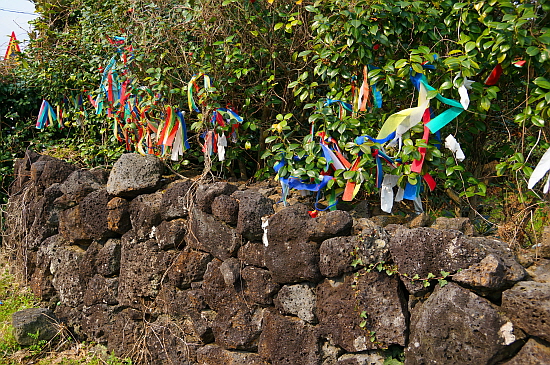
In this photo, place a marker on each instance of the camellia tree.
(339, 96)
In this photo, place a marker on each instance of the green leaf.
(401, 63)
(279, 26)
(270, 139)
(542, 82)
(469, 46)
(532, 51)
(349, 175)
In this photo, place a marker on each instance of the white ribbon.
(542, 168)
(454, 146)
(222, 143)
(386, 192)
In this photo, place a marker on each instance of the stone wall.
(175, 272)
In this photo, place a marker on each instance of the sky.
(14, 17)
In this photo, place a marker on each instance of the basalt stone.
(288, 341)
(534, 352)
(101, 290)
(339, 308)
(336, 255)
(54, 171)
(176, 200)
(238, 327)
(231, 271)
(540, 271)
(490, 274)
(96, 322)
(217, 294)
(527, 304)
(226, 209)
(455, 326)
(252, 207)
(189, 266)
(134, 174)
(65, 267)
(215, 355)
(38, 166)
(171, 300)
(107, 261)
(461, 224)
(421, 251)
(142, 267)
(210, 235)
(290, 256)
(369, 358)
(171, 234)
(127, 329)
(259, 287)
(86, 221)
(253, 253)
(298, 300)
(145, 215)
(21, 169)
(118, 215)
(206, 194)
(333, 224)
(164, 343)
(79, 184)
(32, 321)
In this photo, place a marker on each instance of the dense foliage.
(277, 63)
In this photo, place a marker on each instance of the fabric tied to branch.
(538, 173)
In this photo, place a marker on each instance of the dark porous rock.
(368, 358)
(329, 352)
(534, 352)
(38, 166)
(79, 184)
(165, 343)
(88, 221)
(333, 224)
(41, 282)
(145, 215)
(142, 267)
(288, 341)
(253, 253)
(455, 326)
(421, 220)
(96, 322)
(118, 215)
(127, 329)
(540, 271)
(107, 260)
(252, 207)
(205, 194)
(339, 308)
(34, 321)
(490, 274)
(226, 209)
(101, 290)
(22, 171)
(259, 288)
(179, 302)
(134, 174)
(336, 255)
(210, 235)
(461, 224)
(528, 306)
(215, 355)
(386, 220)
(171, 234)
(217, 294)
(65, 267)
(189, 266)
(421, 251)
(238, 327)
(231, 271)
(298, 300)
(54, 171)
(290, 256)
(176, 200)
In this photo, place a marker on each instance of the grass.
(15, 298)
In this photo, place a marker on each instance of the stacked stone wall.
(178, 272)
